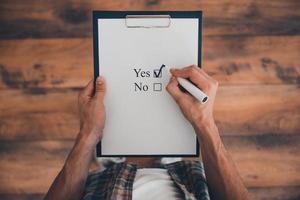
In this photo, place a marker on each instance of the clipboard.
(129, 49)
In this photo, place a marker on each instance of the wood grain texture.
(266, 160)
(39, 114)
(72, 18)
(251, 47)
(31, 166)
(255, 110)
(5, 196)
(273, 193)
(45, 63)
(61, 63)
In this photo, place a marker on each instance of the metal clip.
(148, 21)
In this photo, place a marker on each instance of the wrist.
(205, 128)
(83, 149)
(88, 139)
(203, 124)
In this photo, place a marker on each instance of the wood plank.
(272, 193)
(261, 194)
(39, 114)
(252, 60)
(21, 196)
(30, 167)
(255, 110)
(275, 193)
(45, 63)
(60, 63)
(40, 19)
(266, 160)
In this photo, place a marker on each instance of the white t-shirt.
(154, 183)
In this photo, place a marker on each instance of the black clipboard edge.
(122, 14)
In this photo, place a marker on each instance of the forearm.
(222, 176)
(70, 182)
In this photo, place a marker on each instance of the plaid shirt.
(115, 183)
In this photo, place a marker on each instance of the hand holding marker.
(192, 89)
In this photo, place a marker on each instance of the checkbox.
(157, 73)
(157, 87)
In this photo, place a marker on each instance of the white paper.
(145, 122)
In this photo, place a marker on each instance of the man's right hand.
(195, 111)
(222, 175)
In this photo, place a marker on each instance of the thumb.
(174, 90)
(100, 87)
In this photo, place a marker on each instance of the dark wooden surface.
(251, 47)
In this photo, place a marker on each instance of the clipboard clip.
(148, 21)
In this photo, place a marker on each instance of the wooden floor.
(251, 47)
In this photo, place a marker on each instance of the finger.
(205, 74)
(211, 82)
(100, 87)
(193, 74)
(88, 89)
(174, 90)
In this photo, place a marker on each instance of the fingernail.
(99, 80)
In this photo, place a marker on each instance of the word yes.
(141, 73)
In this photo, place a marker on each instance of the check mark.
(158, 74)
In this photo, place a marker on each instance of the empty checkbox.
(157, 87)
